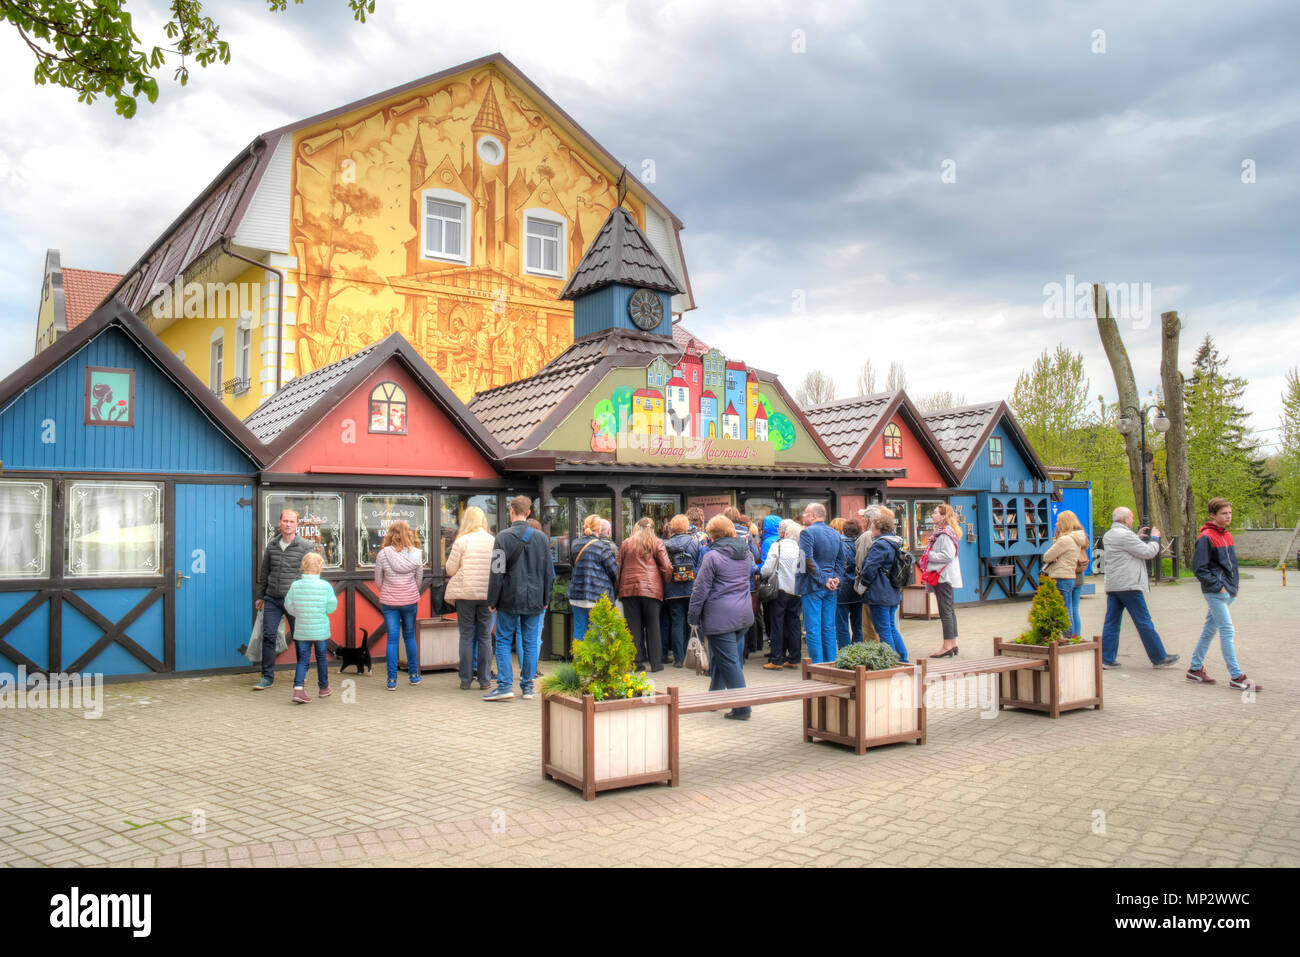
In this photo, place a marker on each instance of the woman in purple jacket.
(720, 605)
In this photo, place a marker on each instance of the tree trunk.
(1182, 505)
(1117, 355)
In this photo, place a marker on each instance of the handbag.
(928, 578)
(696, 655)
(1081, 563)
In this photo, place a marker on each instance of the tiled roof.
(511, 412)
(958, 430)
(298, 396)
(83, 291)
(682, 338)
(844, 425)
(842, 471)
(620, 253)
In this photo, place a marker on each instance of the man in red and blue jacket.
(1215, 565)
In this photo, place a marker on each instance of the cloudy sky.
(893, 181)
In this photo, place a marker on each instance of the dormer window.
(388, 409)
(446, 226)
(893, 442)
(544, 243)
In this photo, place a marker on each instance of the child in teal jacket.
(310, 601)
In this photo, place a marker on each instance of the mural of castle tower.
(491, 167)
(751, 403)
(735, 399)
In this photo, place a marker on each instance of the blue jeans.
(528, 628)
(819, 625)
(1117, 602)
(400, 621)
(884, 620)
(304, 660)
(677, 608)
(1218, 619)
(580, 618)
(725, 668)
(848, 624)
(272, 612)
(1070, 592)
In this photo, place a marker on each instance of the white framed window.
(114, 529)
(446, 226)
(217, 361)
(544, 242)
(24, 529)
(244, 363)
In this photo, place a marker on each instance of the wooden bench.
(1050, 678)
(758, 695)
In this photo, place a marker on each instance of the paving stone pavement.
(200, 772)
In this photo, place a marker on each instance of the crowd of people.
(726, 582)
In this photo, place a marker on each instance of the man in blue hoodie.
(818, 584)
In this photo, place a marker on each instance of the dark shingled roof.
(511, 412)
(959, 430)
(620, 253)
(846, 423)
(298, 396)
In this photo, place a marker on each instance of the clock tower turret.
(621, 283)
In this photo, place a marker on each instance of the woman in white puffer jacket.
(468, 567)
(942, 558)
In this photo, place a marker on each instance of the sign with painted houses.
(700, 407)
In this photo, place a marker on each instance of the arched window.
(893, 442)
(388, 409)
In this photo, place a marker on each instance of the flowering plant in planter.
(602, 661)
(1049, 619)
(873, 655)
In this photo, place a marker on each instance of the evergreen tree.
(1221, 457)
(1049, 619)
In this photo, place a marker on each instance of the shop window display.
(375, 513)
(320, 521)
(452, 510)
(921, 510)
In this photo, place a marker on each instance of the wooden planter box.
(885, 707)
(437, 643)
(601, 745)
(918, 603)
(1072, 679)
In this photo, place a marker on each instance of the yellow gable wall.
(191, 336)
(357, 190)
(45, 318)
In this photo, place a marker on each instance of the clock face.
(645, 309)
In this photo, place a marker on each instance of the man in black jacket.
(519, 587)
(281, 567)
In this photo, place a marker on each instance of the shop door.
(660, 508)
(213, 580)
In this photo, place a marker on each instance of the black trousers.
(787, 631)
(474, 625)
(643, 621)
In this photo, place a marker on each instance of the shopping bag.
(253, 650)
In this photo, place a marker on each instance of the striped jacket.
(310, 601)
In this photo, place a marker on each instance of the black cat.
(358, 657)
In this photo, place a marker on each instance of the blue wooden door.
(969, 552)
(214, 570)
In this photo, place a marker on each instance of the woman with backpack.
(1065, 561)
(848, 603)
(883, 567)
(941, 572)
(643, 567)
(683, 549)
(595, 573)
(783, 563)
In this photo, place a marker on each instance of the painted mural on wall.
(702, 395)
(452, 215)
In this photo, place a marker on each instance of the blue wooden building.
(126, 510)
(1004, 494)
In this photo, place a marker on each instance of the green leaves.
(90, 47)
(873, 655)
(1049, 619)
(604, 657)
